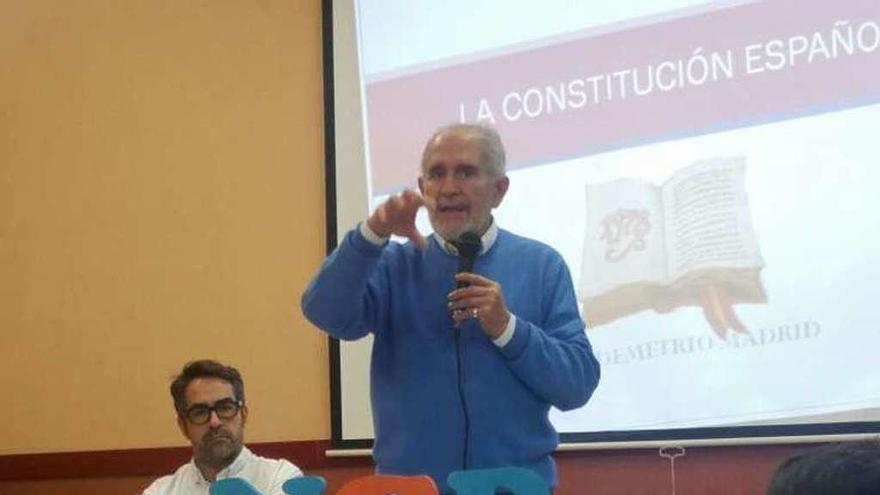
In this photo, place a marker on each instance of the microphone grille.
(469, 244)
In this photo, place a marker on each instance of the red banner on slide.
(736, 65)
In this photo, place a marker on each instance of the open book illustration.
(686, 242)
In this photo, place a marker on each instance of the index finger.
(412, 200)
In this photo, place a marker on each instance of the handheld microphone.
(469, 246)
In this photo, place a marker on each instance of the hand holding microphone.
(469, 246)
(475, 296)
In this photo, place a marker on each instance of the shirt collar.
(230, 471)
(487, 240)
(237, 465)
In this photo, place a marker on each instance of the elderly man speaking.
(465, 366)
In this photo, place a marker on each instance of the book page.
(624, 242)
(708, 222)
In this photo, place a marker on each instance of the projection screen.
(708, 171)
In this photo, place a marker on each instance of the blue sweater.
(446, 399)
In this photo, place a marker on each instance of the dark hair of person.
(204, 368)
(851, 468)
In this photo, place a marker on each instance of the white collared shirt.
(267, 476)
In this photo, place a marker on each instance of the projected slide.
(709, 171)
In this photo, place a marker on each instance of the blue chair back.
(514, 480)
(305, 485)
(232, 486)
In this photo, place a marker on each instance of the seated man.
(837, 469)
(211, 413)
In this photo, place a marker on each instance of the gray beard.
(217, 455)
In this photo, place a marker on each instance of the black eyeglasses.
(200, 414)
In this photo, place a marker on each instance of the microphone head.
(469, 244)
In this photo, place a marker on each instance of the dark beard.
(217, 450)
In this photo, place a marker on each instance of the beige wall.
(161, 199)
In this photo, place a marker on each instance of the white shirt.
(267, 476)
